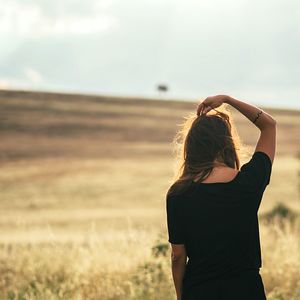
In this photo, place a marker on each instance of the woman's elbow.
(178, 257)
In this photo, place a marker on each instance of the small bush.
(281, 213)
(160, 249)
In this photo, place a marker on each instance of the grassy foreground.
(82, 211)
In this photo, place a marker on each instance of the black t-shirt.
(218, 224)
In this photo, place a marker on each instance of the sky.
(248, 49)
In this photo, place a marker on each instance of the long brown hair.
(201, 143)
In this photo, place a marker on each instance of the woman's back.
(218, 223)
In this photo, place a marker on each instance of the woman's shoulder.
(257, 158)
(179, 189)
(257, 170)
(258, 161)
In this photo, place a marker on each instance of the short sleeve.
(174, 222)
(257, 171)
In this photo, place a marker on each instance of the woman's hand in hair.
(211, 102)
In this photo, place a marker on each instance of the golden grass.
(119, 264)
(83, 187)
(281, 260)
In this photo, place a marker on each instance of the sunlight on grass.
(83, 184)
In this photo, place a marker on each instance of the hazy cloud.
(40, 18)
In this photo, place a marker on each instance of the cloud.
(32, 75)
(32, 19)
(29, 78)
(4, 84)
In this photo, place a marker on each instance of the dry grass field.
(82, 210)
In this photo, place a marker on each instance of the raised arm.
(266, 123)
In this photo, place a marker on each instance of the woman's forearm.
(178, 270)
(262, 120)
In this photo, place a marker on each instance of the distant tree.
(162, 88)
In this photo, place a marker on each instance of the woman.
(212, 207)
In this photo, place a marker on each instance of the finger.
(206, 109)
(201, 112)
(199, 109)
